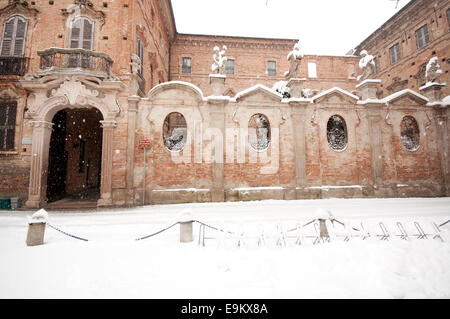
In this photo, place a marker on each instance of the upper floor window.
(394, 53)
(312, 70)
(422, 37)
(7, 125)
(186, 66)
(14, 33)
(82, 34)
(271, 68)
(229, 67)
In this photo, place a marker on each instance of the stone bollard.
(186, 231)
(323, 229)
(36, 228)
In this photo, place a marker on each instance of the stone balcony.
(74, 61)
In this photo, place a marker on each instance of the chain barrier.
(67, 234)
(384, 235)
(158, 232)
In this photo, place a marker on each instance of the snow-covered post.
(36, 228)
(186, 232)
(322, 216)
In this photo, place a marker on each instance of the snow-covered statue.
(294, 57)
(367, 65)
(281, 87)
(218, 67)
(135, 64)
(433, 71)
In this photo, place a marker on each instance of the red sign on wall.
(143, 143)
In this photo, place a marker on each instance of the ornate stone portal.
(52, 94)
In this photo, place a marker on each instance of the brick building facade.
(84, 85)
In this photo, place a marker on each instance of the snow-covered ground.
(112, 264)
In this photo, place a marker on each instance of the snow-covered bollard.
(36, 228)
(322, 216)
(186, 233)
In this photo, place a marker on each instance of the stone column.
(107, 157)
(132, 110)
(217, 82)
(367, 89)
(432, 91)
(295, 86)
(42, 131)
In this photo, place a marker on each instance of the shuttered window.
(422, 37)
(7, 125)
(271, 68)
(394, 53)
(81, 35)
(14, 33)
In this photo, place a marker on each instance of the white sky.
(330, 27)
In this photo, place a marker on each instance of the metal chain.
(63, 232)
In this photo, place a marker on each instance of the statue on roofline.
(367, 65)
(433, 71)
(294, 57)
(218, 67)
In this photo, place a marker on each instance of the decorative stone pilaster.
(298, 117)
(107, 156)
(295, 86)
(133, 102)
(217, 82)
(432, 91)
(443, 140)
(42, 131)
(367, 89)
(217, 116)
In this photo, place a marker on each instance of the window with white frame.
(14, 34)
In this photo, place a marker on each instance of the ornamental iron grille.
(337, 133)
(410, 133)
(175, 131)
(7, 125)
(259, 132)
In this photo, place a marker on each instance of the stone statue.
(294, 57)
(433, 71)
(218, 67)
(135, 64)
(367, 64)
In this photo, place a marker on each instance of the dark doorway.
(75, 156)
(57, 160)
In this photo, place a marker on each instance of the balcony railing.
(10, 65)
(60, 60)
